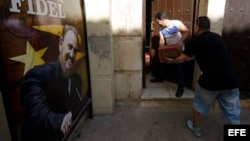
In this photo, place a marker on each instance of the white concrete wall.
(114, 32)
(216, 10)
(101, 54)
(127, 29)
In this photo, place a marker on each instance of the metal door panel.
(236, 33)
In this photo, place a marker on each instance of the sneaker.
(179, 92)
(155, 80)
(196, 130)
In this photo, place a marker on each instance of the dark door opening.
(184, 10)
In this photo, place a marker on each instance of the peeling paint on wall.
(101, 46)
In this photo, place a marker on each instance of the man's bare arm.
(185, 33)
(162, 40)
(179, 60)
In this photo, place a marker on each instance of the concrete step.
(163, 95)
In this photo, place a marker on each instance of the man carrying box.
(173, 32)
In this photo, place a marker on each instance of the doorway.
(184, 10)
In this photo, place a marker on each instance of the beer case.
(169, 51)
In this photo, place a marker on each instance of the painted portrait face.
(68, 46)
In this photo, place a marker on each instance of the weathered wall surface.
(115, 50)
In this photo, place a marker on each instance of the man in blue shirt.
(172, 32)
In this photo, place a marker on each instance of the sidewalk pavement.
(151, 124)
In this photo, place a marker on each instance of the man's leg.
(230, 105)
(161, 74)
(196, 118)
(180, 74)
(194, 124)
(203, 99)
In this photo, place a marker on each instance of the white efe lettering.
(236, 132)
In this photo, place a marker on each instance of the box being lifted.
(169, 51)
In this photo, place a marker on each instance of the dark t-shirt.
(211, 54)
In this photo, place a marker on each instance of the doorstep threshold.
(151, 93)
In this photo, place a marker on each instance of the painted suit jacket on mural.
(46, 98)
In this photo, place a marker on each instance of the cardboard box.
(169, 51)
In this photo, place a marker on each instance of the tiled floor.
(164, 90)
